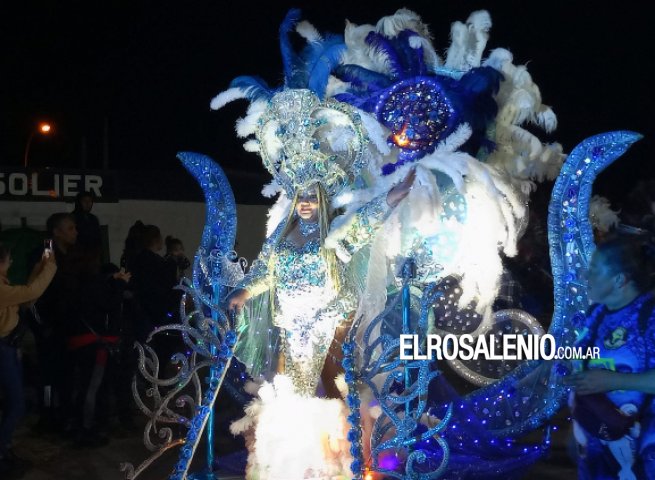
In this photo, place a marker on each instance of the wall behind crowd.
(183, 220)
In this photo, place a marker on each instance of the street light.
(44, 129)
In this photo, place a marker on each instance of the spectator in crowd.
(89, 237)
(54, 309)
(91, 338)
(11, 382)
(175, 257)
(133, 245)
(154, 284)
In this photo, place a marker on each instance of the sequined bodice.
(302, 279)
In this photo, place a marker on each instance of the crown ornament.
(304, 140)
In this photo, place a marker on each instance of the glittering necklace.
(307, 228)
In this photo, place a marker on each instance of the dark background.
(149, 70)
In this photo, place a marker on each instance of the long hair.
(324, 219)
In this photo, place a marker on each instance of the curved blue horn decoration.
(221, 220)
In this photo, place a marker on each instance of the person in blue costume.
(622, 327)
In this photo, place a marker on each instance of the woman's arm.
(18, 294)
(598, 381)
(371, 216)
(259, 277)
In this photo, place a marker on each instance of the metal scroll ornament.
(179, 396)
(399, 387)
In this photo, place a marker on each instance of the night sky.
(149, 70)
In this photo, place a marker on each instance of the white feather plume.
(251, 146)
(229, 95)
(288, 435)
(601, 215)
(247, 125)
(376, 132)
(308, 31)
(357, 51)
(403, 19)
(278, 212)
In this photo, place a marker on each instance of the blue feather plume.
(362, 79)
(255, 87)
(290, 59)
(320, 59)
(386, 48)
(414, 62)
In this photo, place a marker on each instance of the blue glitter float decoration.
(571, 244)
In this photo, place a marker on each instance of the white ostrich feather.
(430, 56)
(455, 58)
(403, 19)
(247, 125)
(498, 58)
(415, 42)
(601, 215)
(335, 87)
(229, 95)
(455, 140)
(289, 435)
(479, 24)
(251, 146)
(277, 213)
(545, 118)
(358, 51)
(308, 31)
(376, 132)
(271, 189)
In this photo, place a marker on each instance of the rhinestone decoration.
(419, 115)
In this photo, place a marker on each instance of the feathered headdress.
(302, 137)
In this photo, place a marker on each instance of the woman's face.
(307, 205)
(601, 280)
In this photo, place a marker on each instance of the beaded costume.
(307, 306)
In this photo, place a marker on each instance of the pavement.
(55, 458)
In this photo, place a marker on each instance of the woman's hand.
(593, 381)
(236, 300)
(400, 191)
(48, 257)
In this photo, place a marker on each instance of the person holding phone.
(11, 384)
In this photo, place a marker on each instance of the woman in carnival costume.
(360, 118)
